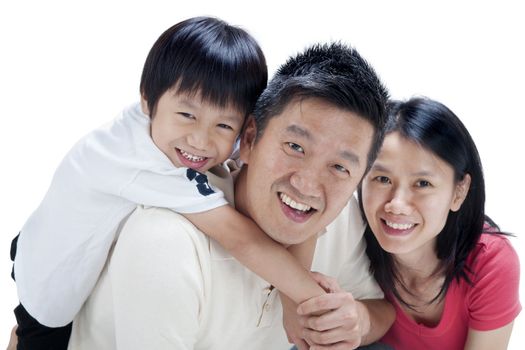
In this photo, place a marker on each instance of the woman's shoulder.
(493, 252)
(493, 242)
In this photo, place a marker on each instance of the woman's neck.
(421, 280)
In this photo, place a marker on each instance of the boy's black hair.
(205, 55)
(335, 73)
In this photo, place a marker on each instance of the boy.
(200, 80)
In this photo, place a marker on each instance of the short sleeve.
(184, 191)
(493, 300)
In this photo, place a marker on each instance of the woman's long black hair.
(436, 128)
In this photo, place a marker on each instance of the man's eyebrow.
(350, 156)
(299, 131)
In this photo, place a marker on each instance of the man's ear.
(144, 105)
(460, 193)
(248, 136)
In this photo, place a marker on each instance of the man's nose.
(400, 202)
(307, 181)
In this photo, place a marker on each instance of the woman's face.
(407, 196)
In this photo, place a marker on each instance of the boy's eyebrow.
(189, 103)
(234, 117)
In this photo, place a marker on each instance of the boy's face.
(193, 133)
(303, 169)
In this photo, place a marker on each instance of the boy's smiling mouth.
(190, 160)
(191, 157)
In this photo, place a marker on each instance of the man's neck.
(240, 190)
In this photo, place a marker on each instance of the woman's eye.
(382, 179)
(423, 183)
(295, 147)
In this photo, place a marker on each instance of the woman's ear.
(144, 105)
(248, 136)
(460, 193)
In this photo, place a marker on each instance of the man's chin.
(288, 241)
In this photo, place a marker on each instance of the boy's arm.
(304, 253)
(242, 238)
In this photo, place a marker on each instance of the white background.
(67, 67)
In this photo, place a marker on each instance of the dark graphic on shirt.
(202, 182)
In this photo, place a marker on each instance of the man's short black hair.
(335, 73)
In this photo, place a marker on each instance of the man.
(315, 130)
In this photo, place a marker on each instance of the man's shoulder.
(160, 225)
(349, 221)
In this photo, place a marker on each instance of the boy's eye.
(295, 147)
(186, 115)
(225, 126)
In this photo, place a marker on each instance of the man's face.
(302, 171)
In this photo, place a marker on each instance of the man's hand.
(342, 322)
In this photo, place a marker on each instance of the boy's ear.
(248, 136)
(460, 193)
(144, 105)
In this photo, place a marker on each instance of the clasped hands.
(331, 321)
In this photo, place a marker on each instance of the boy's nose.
(199, 140)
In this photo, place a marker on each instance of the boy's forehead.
(195, 99)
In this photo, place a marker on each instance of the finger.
(337, 346)
(325, 303)
(333, 336)
(328, 283)
(301, 344)
(346, 319)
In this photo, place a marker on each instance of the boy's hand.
(13, 340)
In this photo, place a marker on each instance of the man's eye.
(295, 147)
(341, 169)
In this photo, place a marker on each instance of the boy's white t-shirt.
(64, 244)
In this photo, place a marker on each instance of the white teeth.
(290, 202)
(191, 157)
(399, 226)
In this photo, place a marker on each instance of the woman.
(451, 275)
